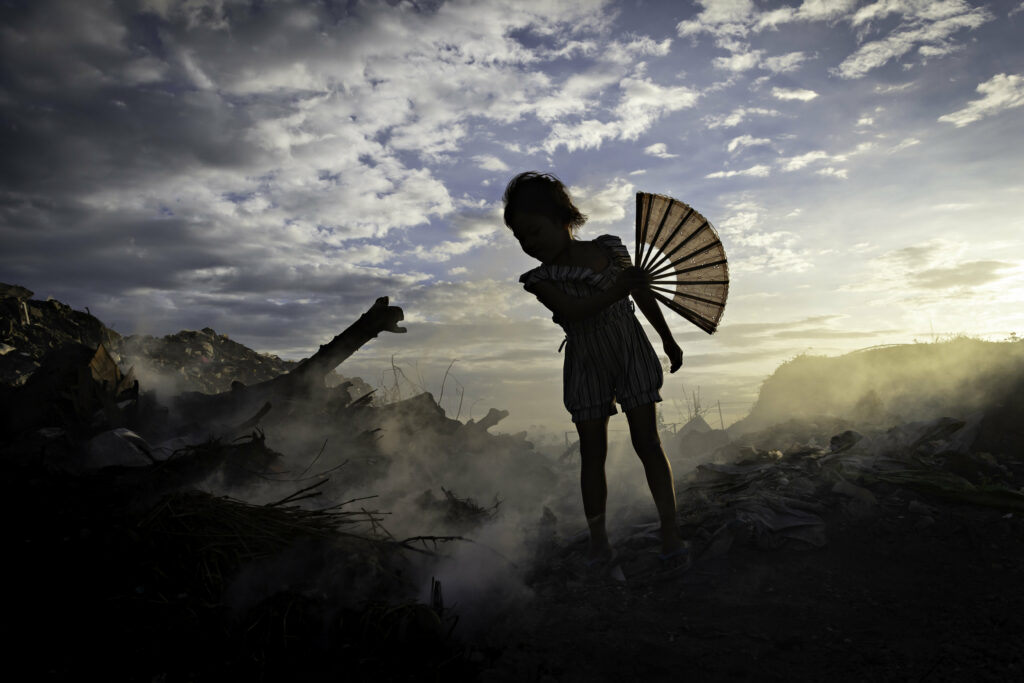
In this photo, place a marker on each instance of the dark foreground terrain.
(883, 601)
(888, 598)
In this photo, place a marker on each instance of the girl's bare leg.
(643, 431)
(593, 452)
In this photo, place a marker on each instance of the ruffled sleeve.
(616, 251)
(532, 277)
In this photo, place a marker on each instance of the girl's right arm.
(571, 309)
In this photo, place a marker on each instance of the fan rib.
(639, 242)
(666, 256)
(667, 281)
(682, 259)
(642, 216)
(709, 264)
(693, 297)
(661, 224)
(675, 231)
(695, 318)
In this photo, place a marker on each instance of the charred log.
(303, 382)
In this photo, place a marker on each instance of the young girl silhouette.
(607, 354)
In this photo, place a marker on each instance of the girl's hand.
(674, 353)
(629, 279)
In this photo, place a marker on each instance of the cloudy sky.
(268, 168)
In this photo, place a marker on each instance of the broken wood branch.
(305, 380)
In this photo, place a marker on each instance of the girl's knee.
(646, 444)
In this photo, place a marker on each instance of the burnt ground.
(893, 596)
(884, 600)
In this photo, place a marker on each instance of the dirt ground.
(887, 599)
(891, 597)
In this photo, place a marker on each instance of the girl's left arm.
(652, 311)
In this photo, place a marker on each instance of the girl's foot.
(598, 554)
(674, 563)
(604, 566)
(670, 540)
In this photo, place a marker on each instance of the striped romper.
(607, 356)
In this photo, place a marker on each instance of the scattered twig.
(297, 495)
(314, 459)
(434, 540)
(443, 380)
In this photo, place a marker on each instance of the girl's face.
(539, 235)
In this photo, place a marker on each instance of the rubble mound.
(30, 329)
(197, 360)
(189, 360)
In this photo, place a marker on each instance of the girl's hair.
(542, 193)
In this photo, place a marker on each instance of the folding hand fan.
(683, 257)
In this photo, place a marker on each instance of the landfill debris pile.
(199, 360)
(774, 500)
(894, 549)
(189, 360)
(29, 329)
(207, 362)
(200, 548)
(461, 514)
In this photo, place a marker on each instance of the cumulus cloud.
(755, 249)
(473, 225)
(332, 137)
(929, 27)
(819, 157)
(641, 103)
(731, 18)
(779, 64)
(604, 204)
(660, 150)
(745, 140)
(833, 172)
(800, 94)
(743, 58)
(643, 46)
(737, 116)
(999, 93)
(739, 61)
(489, 162)
(720, 18)
(795, 163)
(758, 171)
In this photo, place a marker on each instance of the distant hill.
(888, 385)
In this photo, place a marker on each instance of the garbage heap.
(207, 362)
(178, 535)
(794, 483)
(189, 360)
